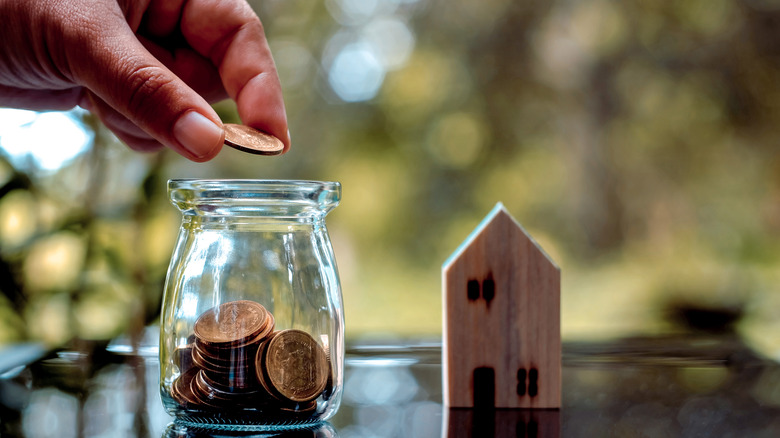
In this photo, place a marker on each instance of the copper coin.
(299, 411)
(181, 389)
(328, 391)
(260, 371)
(227, 355)
(204, 399)
(208, 386)
(235, 322)
(292, 364)
(182, 357)
(220, 366)
(300, 408)
(247, 139)
(233, 382)
(255, 399)
(232, 378)
(229, 352)
(243, 380)
(203, 389)
(238, 383)
(220, 396)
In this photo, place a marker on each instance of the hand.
(148, 68)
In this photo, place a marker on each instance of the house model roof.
(498, 214)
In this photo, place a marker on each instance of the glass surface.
(686, 386)
(252, 320)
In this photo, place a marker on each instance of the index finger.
(230, 34)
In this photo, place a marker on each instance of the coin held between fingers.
(248, 139)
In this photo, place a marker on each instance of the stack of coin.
(236, 360)
(226, 341)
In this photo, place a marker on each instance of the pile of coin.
(237, 360)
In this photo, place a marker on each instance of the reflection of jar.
(252, 332)
(322, 430)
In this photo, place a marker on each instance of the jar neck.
(277, 224)
(254, 213)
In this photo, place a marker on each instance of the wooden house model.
(501, 312)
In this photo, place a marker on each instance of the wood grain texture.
(514, 328)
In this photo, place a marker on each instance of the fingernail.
(197, 134)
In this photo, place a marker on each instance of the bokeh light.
(356, 74)
(54, 262)
(18, 218)
(46, 141)
(391, 39)
(456, 140)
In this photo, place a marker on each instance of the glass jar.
(252, 324)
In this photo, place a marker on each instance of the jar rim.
(271, 184)
(253, 197)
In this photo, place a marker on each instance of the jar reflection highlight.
(252, 325)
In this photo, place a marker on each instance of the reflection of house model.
(501, 299)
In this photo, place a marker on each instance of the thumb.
(116, 67)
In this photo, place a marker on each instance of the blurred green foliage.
(636, 141)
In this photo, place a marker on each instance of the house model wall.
(501, 311)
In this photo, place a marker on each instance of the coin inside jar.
(231, 352)
(302, 409)
(219, 367)
(237, 361)
(292, 366)
(230, 324)
(204, 389)
(182, 357)
(181, 389)
(248, 139)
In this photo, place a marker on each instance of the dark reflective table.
(691, 386)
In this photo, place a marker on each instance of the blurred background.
(637, 142)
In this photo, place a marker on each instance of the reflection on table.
(526, 423)
(685, 386)
(323, 430)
